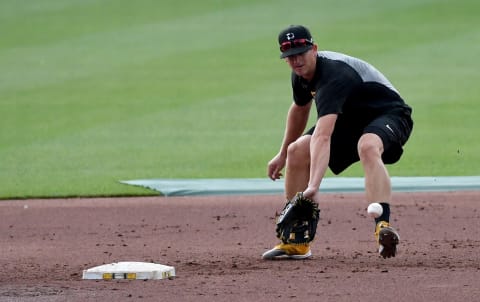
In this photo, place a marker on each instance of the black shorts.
(393, 129)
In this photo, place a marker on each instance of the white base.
(129, 271)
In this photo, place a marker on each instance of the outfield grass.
(93, 92)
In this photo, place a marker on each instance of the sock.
(386, 213)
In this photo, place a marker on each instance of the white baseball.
(375, 210)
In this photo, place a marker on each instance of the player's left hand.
(312, 194)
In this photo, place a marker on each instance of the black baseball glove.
(297, 223)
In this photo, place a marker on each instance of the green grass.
(93, 92)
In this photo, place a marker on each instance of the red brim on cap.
(295, 51)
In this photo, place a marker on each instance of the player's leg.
(297, 173)
(378, 190)
(297, 169)
(377, 179)
(382, 143)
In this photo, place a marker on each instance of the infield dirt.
(215, 244)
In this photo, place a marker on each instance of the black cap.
(292, 33)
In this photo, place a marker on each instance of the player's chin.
(301, 72)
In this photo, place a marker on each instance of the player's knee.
(370, 147)
(298, 153)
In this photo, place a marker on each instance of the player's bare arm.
(320, 153)
(297, 118)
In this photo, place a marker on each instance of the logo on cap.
(290, 36)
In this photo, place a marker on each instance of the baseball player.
(360, 117)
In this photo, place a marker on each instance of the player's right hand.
(275, 166)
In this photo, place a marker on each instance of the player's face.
(304, 64)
